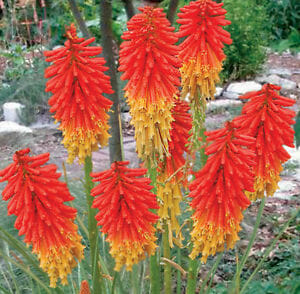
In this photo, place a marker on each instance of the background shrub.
(250, 33)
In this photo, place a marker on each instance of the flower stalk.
(167, 266)
(92, 227)
(250, 244)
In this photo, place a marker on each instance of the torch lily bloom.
(148, 60)
(124, 201)
(77, 83)
(266, 118)
(218, 191)
(202, 50)
(37, 198)
(171, 175)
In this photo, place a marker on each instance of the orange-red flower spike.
(124, 201)
(202, 50)
(218, 191)
(148, 58)
(37, 198)
(77, 82)
(171, 172)
(266, 118)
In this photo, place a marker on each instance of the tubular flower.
(171, 173)
(265, 117)
(218, 191)
(124, 202)
(84, 287)
(77, 83)
(148, 60)
(202, 50)
(37, 198)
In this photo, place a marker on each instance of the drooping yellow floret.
(131, 252)
(170, 196)
(268, 184)
(196, 75)
(58, 262)
(81, 142)
(209, 238)
(152, 127)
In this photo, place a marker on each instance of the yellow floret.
(152, 124)
(208, 239)
(198, 76)
(129, 252)
(58, 262)
(82, 142)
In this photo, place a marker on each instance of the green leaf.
(297, 130)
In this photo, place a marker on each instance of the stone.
(222, 103)
(283, 72)
(285, 190)
(12, 110)
(126, 117)
(13, 127)
(234, 90)
(284, 83)
(218, 91)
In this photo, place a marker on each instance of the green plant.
(292, 42)
(284, 16)
(27, 87)
(249, 35)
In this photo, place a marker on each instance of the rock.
(298, 56)
(276, 80)
(11, 111)
(218, 91)
(261, 79)
(285, 190)
(222, 104)
(234, 90)
(126, 117)
(283, 72)
(12, 127)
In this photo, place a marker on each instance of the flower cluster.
(171, 174)
(77, 83)
(124, 201)
(148, 60)
(265, 118)
(218, 190)
(37, 198)
(202, 50)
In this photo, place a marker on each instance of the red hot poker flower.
(37, 198)
(171, 174)
(266, 118)
(218, 191)
(124, 201)
(148, 58)
(77, 82)
(202, 50)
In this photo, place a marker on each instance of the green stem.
(92, 227)
(167, 266)
(26, 270)
(250, 244)
(268, 251)
(154, 264)
(134, 279)
(192, 275)
(211, 273)
(154, 274)
(178, 290)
